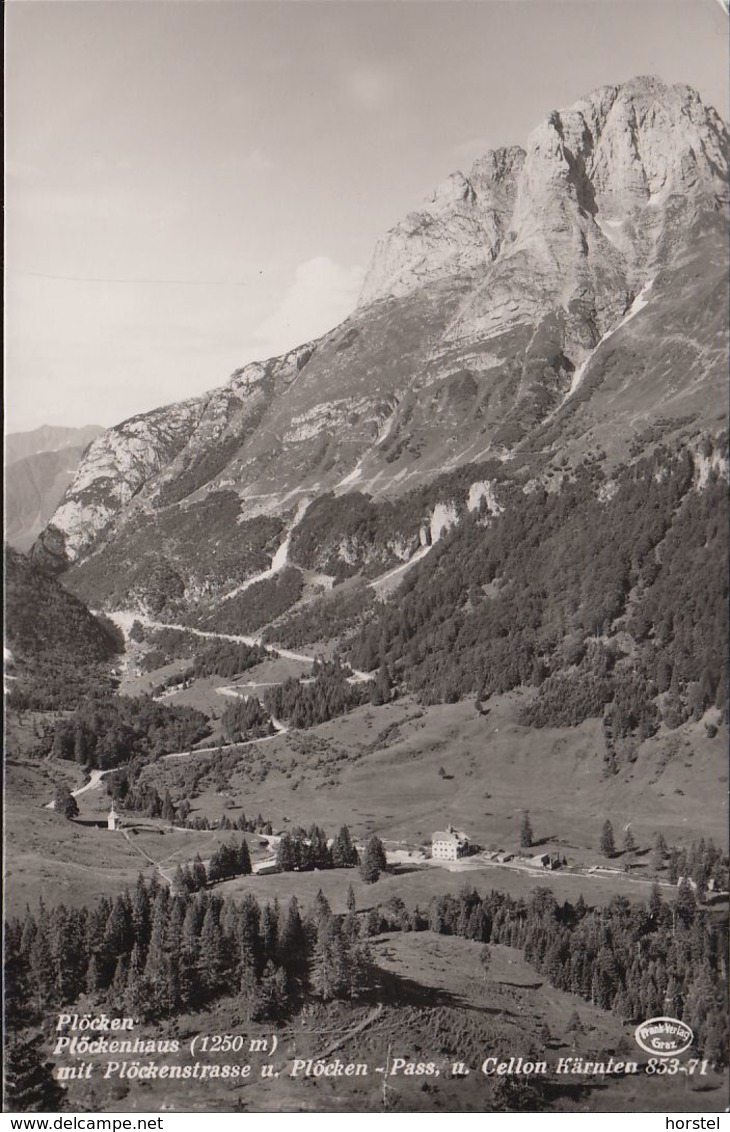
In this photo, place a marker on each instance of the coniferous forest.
(154, 953)
(608, 595)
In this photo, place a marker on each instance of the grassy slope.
(447, 1011)
(355, 770)
(497, 768)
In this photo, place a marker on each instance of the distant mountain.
(561, 304)
(40, 465)
(34, 486)
(48, 438)
(55, 648)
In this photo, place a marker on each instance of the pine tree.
(526, 835)
(155, 971)
(320, 850)
(270, 999)
(321, 910)
(686, 904)
(654, 905)
(211, 962)
(294, 946)
(41, 967)
(344, 854)
(244, 859)
(119, 982)
(247, 943)
(29, 1084)
(270, 931)
(607, 843)
(94, 978)
(286, 857)
(135, 993)
(118, 932)
(324, 973)
(198, 873)
(214, 872)
(168, 810)
(360, 967)
(140, 910)
(180, 880)
(373, 862)
(189, 939)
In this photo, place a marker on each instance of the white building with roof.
(449, 844)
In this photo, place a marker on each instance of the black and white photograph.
(366, 558)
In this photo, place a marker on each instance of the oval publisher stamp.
(664, 1036)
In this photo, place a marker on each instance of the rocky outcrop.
(117, 465)
(34, 487)
(458, 231)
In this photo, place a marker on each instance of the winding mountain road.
(124, 618)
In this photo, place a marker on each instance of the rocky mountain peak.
(640, 147)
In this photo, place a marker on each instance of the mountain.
(55, 648)
(560, 304)
(34, 487)
(40, 465)
(47, 438)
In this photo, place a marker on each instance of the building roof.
(450, 834)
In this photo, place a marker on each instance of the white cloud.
(322, 295)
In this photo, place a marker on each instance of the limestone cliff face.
(458, 231)
(567, 293)
(585, 215)
(115, 468)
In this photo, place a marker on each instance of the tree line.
(637, 960)
(227, 861)
(325, 697)
(548, 592)
(153, 953)
(135, 794)
(107, 730)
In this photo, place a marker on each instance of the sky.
(195, 184)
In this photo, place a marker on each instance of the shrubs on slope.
(60, 650)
